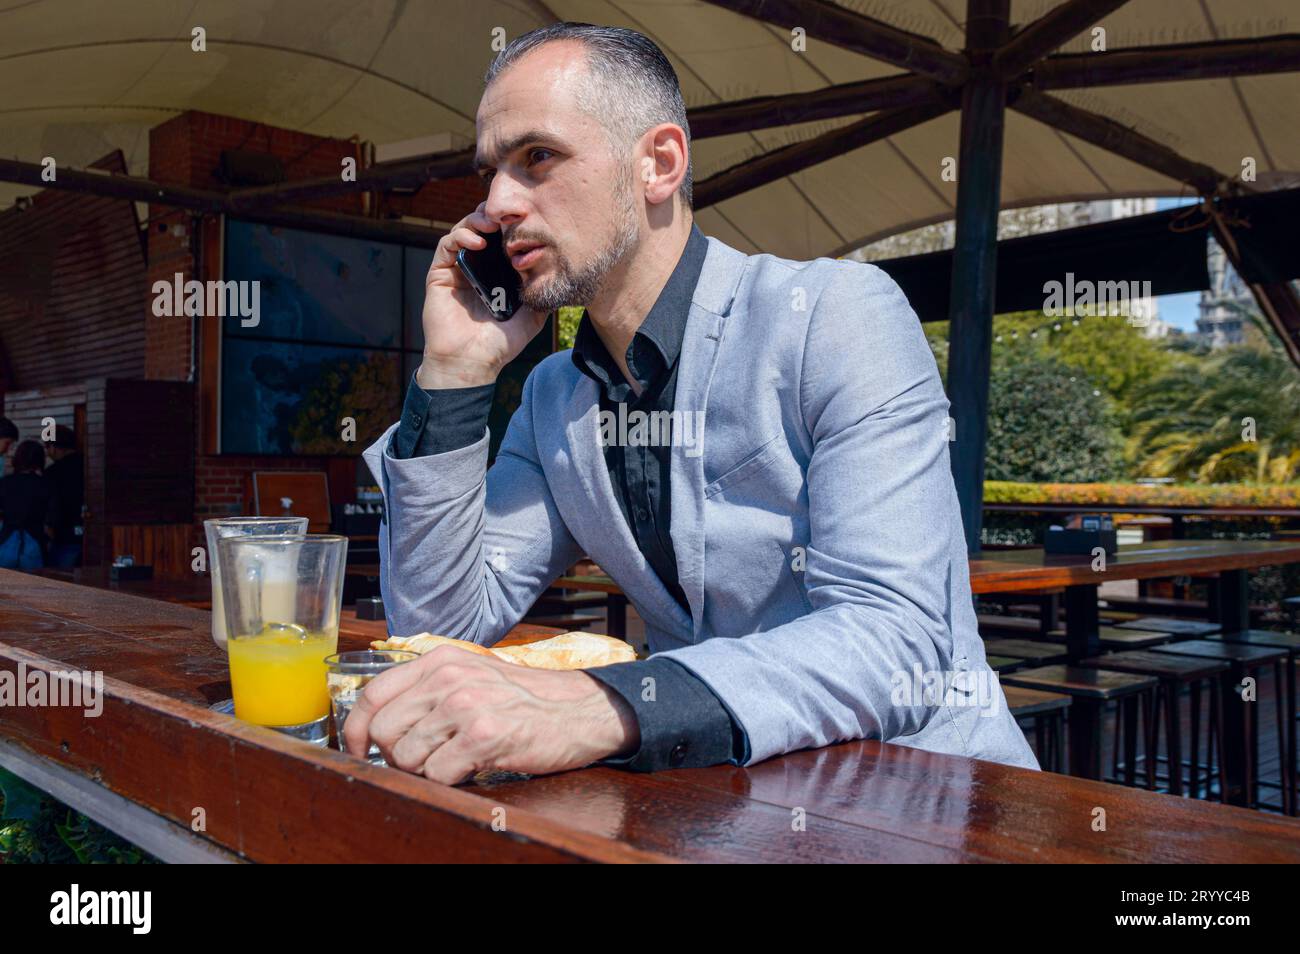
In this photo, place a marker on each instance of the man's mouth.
(525, 254)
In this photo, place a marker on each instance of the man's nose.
(505, 202)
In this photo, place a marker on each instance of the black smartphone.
(493, 277)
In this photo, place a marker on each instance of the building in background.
(1220, 320)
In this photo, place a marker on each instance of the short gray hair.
(633, 87)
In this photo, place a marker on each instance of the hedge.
(1263, 496)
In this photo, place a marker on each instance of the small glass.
(214, 530)
(347, 676)
(283, 595)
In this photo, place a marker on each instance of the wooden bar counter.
(187, 783)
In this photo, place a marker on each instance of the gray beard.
(570, 285)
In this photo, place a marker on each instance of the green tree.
(1233, 415)
(1048, 423)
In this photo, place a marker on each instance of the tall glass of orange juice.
(282, 597)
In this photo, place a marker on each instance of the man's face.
(552, 179)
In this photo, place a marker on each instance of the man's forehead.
(538, 91)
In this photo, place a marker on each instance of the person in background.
(26, 504)
(8, 436)
(67, 480)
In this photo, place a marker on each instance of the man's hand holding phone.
(464, 344)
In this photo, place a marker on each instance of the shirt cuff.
(437, 421)
(683, 723)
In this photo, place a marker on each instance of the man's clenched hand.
(451, 713)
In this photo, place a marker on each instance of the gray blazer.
(814, 518)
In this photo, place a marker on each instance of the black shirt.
(682, 722)
(27, 503)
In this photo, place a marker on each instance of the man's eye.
(545, 153)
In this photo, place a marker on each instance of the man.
(67, 477)
(794, 547)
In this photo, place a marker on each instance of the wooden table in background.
(1012, 571)
(156, 754)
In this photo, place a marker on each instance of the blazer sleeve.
(465, 551)
(882, 511)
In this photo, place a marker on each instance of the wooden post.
(974, 259)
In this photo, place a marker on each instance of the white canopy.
(83, 77)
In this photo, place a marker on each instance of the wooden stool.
(1046, 711)
(1116, 639)
(1291, 643)
(1240, 727)
(1190, 628)
(1173, 673)
(1089, 691)
(1037, 653)
(1005, 664)
(1007, 625)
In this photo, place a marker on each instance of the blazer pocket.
(753, 463)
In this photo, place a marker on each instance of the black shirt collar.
(658, 341)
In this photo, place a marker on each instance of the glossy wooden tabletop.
(269, 798)
(1033, 569)
(1004, 571)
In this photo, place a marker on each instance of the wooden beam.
(1281, 306)
(975, 259)
(1277, 301)
(722, 119)
(210, 202)
(834, 24)
(832, 102)
(400, 174)
(1059, 25)
(779, 163)
(1119, 139)
(1162, 64)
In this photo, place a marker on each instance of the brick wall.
(71, 272)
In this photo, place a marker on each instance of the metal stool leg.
(1151, 723)
(1115, 747)
(1173, 739)
(1058, 742)
(1291, 734)
(1284, 773)
(1130, 739)
(1218, 729)
(1194, 772)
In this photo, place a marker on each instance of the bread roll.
(567, 651)
(427, 642)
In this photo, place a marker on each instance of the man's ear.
(662, 163)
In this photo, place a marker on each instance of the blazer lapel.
(710, 307)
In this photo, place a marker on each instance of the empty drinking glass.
(348, 674)
(231, 527)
